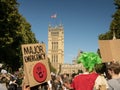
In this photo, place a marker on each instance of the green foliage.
(114, 26)
(107, 36)
(14, 31)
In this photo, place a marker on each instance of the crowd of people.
(10, 81)
(96, 76)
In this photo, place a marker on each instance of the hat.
(89, 60)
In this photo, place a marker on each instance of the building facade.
(71, 68)
(56, 45)
(74, 67)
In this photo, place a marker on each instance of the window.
(55, 33)
(54, 45)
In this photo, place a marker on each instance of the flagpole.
(54, 16)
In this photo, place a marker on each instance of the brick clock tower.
(56, 46)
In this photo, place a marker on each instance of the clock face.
(40, 72)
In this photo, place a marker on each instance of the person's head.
(100, 68)
(73, 75)
(89, 60)
(80, 72)
(114, 68)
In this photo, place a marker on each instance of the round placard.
(40, 72)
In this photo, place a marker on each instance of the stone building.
(74, 67)
(71, 68)
(56, 45)
(56, 51)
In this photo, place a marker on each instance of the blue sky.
(83, 21)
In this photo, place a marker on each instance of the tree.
(114, 26)
(14, 31)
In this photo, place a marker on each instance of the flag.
(54, 16)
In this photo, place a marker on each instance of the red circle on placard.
(40, 72)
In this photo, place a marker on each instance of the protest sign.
(110, 50)
(36, 68)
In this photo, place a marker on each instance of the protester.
(12, 83)
(57, 83)
(4, 79)
(87, 80)
(65, 79)
(101, 81)
(114, 71)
